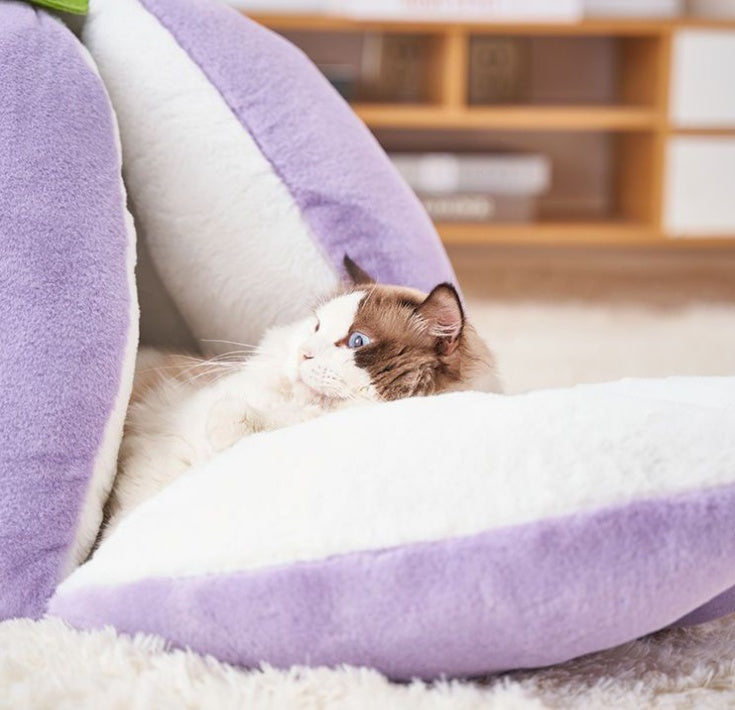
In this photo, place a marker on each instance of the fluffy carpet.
(559, 318)
(47, 665)
(554, 320)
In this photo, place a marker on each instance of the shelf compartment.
(385, 68)
(558, 71)
(596, 176)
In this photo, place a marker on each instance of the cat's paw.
(228, 421)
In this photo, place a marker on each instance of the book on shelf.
(476, 187)
(393, 68)
(498, 173)
(500, 69)
(479, 207)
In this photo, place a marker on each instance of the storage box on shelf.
(633, 113)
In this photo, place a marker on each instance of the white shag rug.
(553, 321)
(46, 664)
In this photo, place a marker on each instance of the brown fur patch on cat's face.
(419, 344)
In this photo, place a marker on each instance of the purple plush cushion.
(481, 533)
(250, 176)
(65, 305)
(349, 193)
(521, 597)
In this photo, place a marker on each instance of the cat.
(368, 343)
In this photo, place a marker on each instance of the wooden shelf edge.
(705, 131)
(580, 118)
(571, 234)
(590, 26)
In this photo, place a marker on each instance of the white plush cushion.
(593, 515)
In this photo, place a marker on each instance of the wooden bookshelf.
(638, 121)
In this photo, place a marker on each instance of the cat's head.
(388, 342)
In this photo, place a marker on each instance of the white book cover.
(467, 10)
(462, 207)
(500, 173)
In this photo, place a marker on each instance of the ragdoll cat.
(369, 343)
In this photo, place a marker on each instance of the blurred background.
(577, 157)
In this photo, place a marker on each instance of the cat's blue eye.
(357, 340)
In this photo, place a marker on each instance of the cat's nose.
(307, 355)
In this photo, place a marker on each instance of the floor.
(560, 317)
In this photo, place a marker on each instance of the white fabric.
(222, 229)
(426, 469)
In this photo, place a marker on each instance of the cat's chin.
(307, 393)
(312, 394)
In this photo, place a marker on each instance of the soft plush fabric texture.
(45, 664)
(461, 536)
(67, 305)
(251, 177)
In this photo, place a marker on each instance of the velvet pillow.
(249, 175)
(459, 534)
(68, 311)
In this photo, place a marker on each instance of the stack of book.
(478, 187)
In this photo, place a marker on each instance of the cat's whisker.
(184, 369)
(195, 362)
(227, 360)
(217, 376)
(211, 370)
(230, 353)
(229, 342)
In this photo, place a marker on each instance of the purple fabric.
(721, 605)
(64, 308)
(350, 194)
(519, 597)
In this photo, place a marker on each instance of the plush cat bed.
(250, 176)
(458, 534)
(68, 312)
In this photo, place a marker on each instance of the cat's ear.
(357, 274)
(442, 315)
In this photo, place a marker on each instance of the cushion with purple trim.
(249, 175)
(68, 311)
(458, 534)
